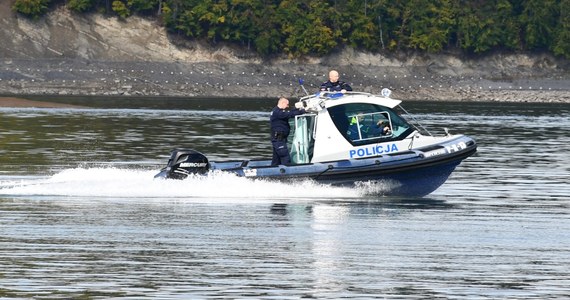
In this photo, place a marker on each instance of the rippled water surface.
(81, 216)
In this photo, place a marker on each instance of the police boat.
(348, 139)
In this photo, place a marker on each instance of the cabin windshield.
(363, 123)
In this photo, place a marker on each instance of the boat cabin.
(346, 126)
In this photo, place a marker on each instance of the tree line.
(317, 27)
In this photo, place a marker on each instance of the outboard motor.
(184, 162)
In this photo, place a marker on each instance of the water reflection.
(370, 206)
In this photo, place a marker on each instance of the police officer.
(280, 131)
(334, 85)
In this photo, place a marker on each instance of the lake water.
(82, 217)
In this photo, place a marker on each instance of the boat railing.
(333, 95)
(415, 123)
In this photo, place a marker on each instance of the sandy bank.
(20, 102)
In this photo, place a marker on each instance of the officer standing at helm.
(280, 129)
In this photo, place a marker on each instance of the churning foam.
(116, 182)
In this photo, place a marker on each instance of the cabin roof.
(334, 99)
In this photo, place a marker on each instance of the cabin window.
(362, 123)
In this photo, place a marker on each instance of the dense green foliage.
(299, 27)
(31, 8)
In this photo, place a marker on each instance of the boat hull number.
(448, 149)
(456, 147)
(249, 172)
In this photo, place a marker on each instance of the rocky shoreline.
(231, 80)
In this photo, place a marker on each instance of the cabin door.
(303, 139)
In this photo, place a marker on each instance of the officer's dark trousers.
(280, 153)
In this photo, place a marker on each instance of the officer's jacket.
(280, 120)
(335, 86)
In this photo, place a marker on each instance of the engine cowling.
(184, 162)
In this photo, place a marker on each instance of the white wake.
(117, 182)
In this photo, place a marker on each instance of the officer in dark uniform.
(280, 131)
(335, 85)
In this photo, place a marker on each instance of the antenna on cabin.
(301, 81)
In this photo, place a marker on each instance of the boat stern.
(184, 162)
